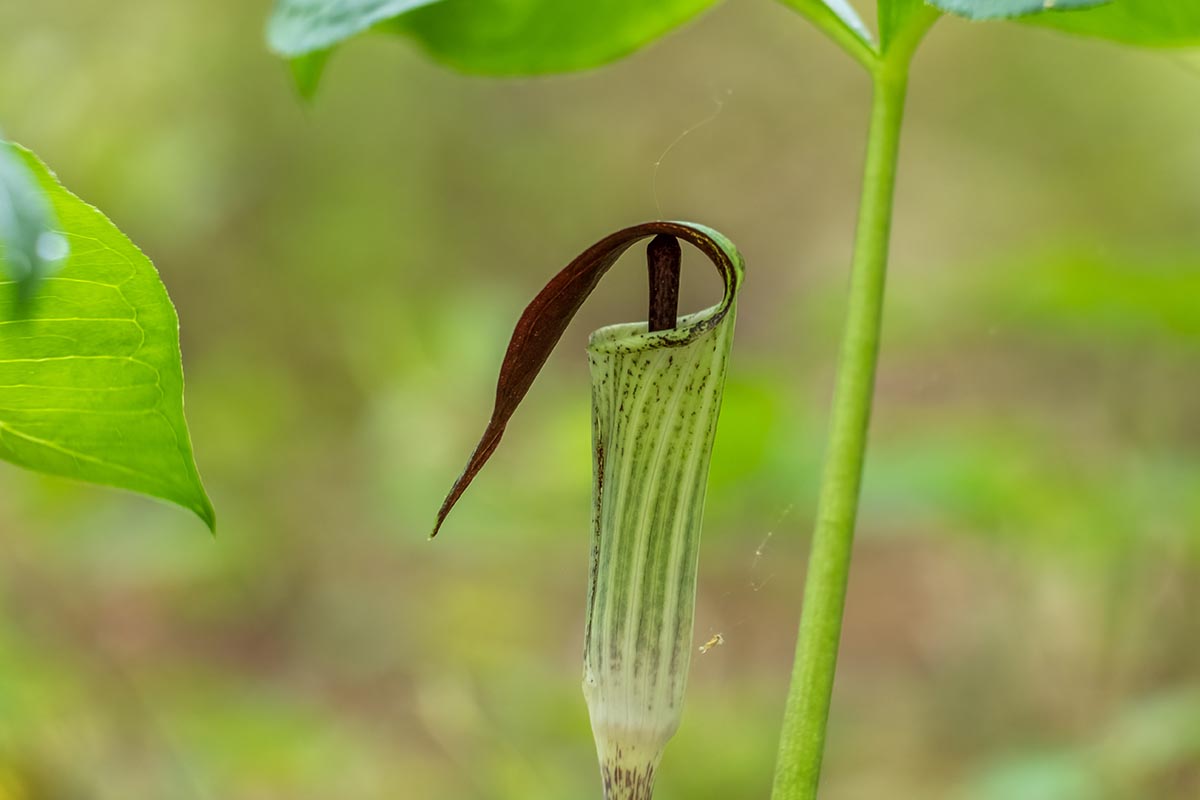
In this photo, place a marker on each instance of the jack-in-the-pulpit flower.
(656, 395)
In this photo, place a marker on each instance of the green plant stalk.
(802, 741)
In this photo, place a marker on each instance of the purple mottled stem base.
(623, 782)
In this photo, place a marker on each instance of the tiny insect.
(716, 641)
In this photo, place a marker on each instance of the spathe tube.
(656, 396)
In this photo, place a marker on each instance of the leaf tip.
(202, 507)
(456, 491)
(307, 70)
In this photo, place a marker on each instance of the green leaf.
(494, 37)
(91, 381)
(527, 37)
(1001, 9)
(298, 27)
(1150, 23)
(30, 246)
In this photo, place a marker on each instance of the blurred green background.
(1023, 617)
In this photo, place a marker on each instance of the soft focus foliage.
(299, 27)
(1021, 616)
(1000, 9)
(1152, 23)
(525, 37)
(491, 37)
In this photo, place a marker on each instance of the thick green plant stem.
(802, 741)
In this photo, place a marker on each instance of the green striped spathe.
(656, 395)
(655, 402)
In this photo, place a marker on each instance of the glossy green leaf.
(298, 27)
(1155, 23)
(1151, 23)
(1001, 9)
(91, 381)
(526, 37)
(30, 246)
(494, 37)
